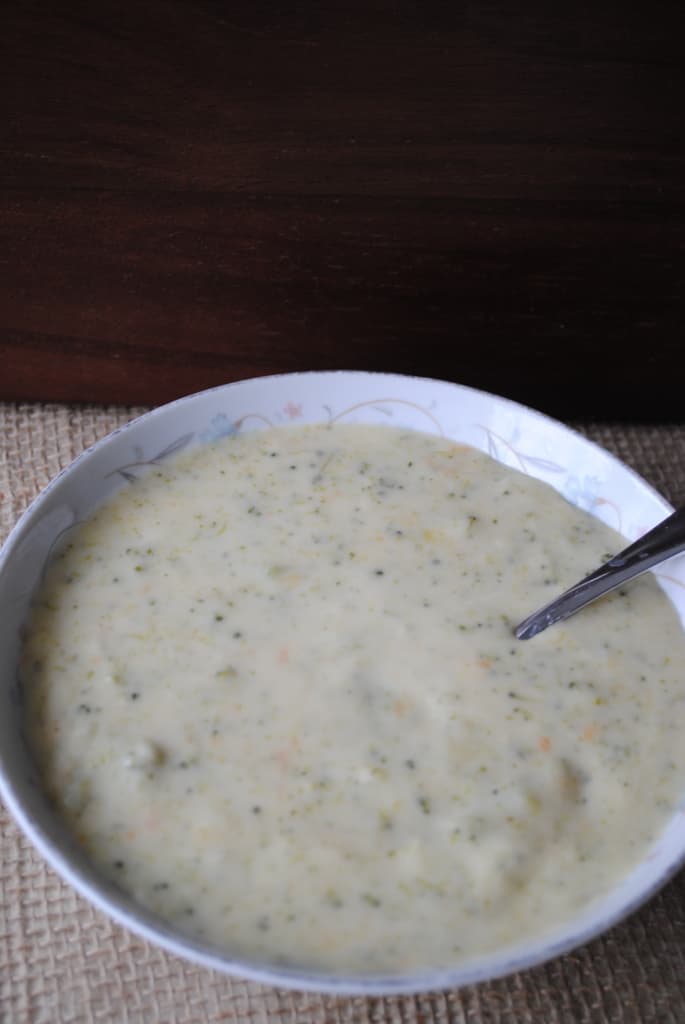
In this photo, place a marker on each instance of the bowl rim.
(483, 967)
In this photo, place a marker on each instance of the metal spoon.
(664, 541)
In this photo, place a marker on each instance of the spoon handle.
(662, 542)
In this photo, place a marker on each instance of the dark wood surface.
(489, 192)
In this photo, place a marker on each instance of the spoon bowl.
(584, 473)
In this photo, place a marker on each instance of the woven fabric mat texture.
(63, 961)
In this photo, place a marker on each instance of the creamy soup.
(273, 688)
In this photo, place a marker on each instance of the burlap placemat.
(60, 960)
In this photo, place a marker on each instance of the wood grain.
(197, 192)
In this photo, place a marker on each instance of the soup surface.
(273, 687)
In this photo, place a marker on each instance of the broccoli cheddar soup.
(272, 686)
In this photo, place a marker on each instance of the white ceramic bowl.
(584, 473)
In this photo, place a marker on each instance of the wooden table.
(490, 192)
